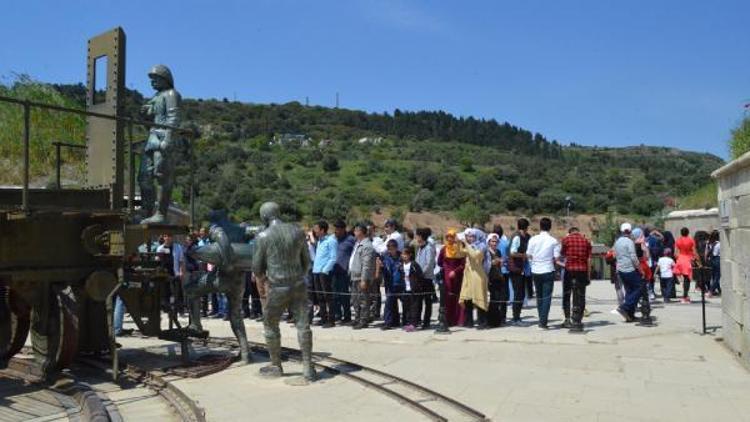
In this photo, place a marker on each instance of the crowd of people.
(641, 256)
(477, 278)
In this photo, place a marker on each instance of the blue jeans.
(632, 283)
(223, 304)
(715, 274)
(119, 315)
(543, 284)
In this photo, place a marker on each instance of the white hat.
(625, 227)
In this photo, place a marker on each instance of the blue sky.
(593, 72)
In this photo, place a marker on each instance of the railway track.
(152, 394)
(140, 394)
(431, 404)
(24, 397)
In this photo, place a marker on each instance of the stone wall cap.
(733, 166)
(693, 213)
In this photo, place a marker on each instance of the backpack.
(610, 257)
(517, 265)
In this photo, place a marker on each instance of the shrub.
(330, 163)
(472, 214)
(740, 142)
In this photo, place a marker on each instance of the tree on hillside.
(740, 142)
(330, 163)
(471, 215)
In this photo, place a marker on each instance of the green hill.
(425, 161)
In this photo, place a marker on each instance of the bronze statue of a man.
(231, 256)
(157, 161)
(281, 260)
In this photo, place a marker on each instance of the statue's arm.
(259, 259)
(173, 103)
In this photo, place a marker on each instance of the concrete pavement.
(615, 371)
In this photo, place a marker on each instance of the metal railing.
(27, 105)
(58, 159)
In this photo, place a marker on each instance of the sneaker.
(409, 328)
(566, 323)
(576, 328)
(586, 312)
(623, 314)
(685, 300)
(543, 327)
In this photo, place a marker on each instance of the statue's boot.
(308, 369)
(304, 337)
(273, 369)
(195, 327)
(157, 218)
(162, 207)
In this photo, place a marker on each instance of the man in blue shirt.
(325, 259)
(341, 302)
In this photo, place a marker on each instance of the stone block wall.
(695, 220)
(734, 217)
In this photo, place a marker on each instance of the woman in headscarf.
(497, 284)
(474, 287)
(452, 260)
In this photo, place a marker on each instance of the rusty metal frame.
(104, 138)
(58, 159)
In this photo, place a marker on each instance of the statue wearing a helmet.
(163, 72)
(157, 162)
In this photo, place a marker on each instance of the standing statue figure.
(231, 257)
(157, 161)
(281, 260)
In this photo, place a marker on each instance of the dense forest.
(427, 160)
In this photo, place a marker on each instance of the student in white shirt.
(542, 252)
(666, 276)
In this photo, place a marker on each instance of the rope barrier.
(552, 297)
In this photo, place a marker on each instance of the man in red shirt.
(576, 253)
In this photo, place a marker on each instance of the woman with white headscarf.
(474, 287)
